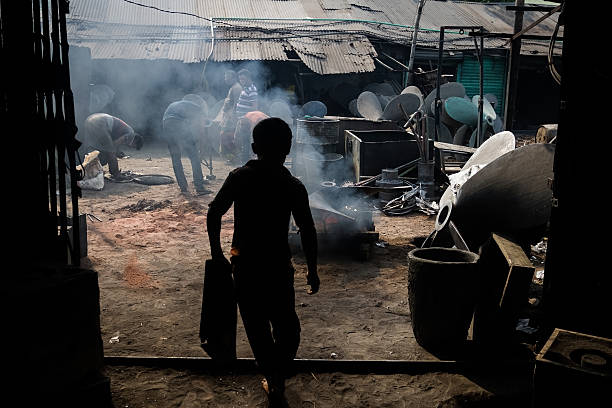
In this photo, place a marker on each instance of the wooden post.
(410, 78)
(513, 70)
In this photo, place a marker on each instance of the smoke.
(323, 171)
(139, 91)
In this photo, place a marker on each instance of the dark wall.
(577, 280)
(538, 94)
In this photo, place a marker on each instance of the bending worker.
(105, 133)
(184, 124)
(265, 195)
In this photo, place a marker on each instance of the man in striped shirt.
(247, 101)
(227, 115)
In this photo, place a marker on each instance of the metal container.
(352, 123)
(425, 180)
(317, 131)
(313, 136)
(322, 167)
(442, 290)
(390, 178)
(372, 151)
(573, 369)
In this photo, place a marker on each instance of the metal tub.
(351, 123)
(371, 151)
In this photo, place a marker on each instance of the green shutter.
(494, 82)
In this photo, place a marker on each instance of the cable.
(203, 80)
(169, 11)
(318, 20)
(310, 34)
(551, 64)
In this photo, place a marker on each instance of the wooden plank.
(507, 273)
(520, 273)
(514, 254)
(454, 148)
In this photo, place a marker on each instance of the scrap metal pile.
(496, 188)
(500, 189)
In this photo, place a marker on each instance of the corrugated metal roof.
(266, 29)
(329, 56)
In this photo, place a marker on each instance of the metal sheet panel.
(329, 56)
(494, 81)
(263, 29)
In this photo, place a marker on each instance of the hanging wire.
(551, 47)
(184, 13)
(203, 80)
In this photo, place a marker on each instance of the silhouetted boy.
(265, 195)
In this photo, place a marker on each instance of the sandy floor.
(150, 260)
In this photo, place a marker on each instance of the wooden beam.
(383, 64)
(513, 71)
(535, 23)
(454, 148)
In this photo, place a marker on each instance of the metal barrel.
(321, 167)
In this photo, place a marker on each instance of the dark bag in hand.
(219, 312)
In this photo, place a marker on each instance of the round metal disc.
(314, 108)
(368, 105)
(461, 110)
(153, 179)
(409, 101)
(446, 91)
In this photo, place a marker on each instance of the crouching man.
(105, 133)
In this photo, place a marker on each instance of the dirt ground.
(150, 257)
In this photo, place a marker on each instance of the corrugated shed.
(267, 29)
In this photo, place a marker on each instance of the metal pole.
(60, 144)
(69, 133)
(439, 79)
(50, 113)
(513, 69)
(480, 100)
(410, 78)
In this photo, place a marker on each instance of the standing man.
(184, 123)
(105, 133)
(227, 114)
(265, 195)
(247, 101)
(242, 137)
